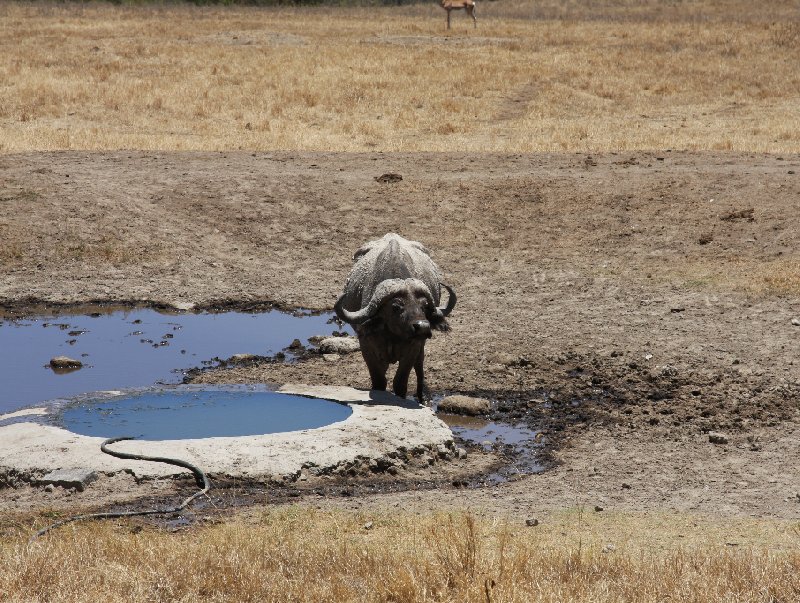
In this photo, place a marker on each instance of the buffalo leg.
(376, 366)
(418, 369)
(406, 363)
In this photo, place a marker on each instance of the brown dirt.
(628, 304)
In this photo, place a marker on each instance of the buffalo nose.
(422, 328)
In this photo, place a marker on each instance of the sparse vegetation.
(296, 554)
(535, 76)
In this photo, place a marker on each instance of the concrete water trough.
(379, 431)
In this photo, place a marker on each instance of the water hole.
(128, 348)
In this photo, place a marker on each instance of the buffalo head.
(404, 307)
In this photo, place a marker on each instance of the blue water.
(176, 415)
(133, 348)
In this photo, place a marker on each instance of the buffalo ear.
(438, 321)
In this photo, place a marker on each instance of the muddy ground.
(625, 304)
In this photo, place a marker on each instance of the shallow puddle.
(191, 413)
(518, 443)
(133, 348)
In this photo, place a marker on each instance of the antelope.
(467, 5)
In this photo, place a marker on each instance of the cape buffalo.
(392, 300)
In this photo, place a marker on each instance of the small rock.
(796, 322)
(626, 486)
(339, 345)
(598, 508)
(368, 525)
(49, 488)
(72, 479)
(464, 405)
(531, 522)
(503, 358)
(715, 437)
(388, 178)
(243, 358)
(296, 344)
(331, 357)
(65, 362)
(461, 453)
(609, 548)
(669, 371)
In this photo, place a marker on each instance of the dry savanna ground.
(608, 254)
(534, 76)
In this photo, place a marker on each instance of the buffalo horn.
(451, 301)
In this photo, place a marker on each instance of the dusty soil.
(625, 304)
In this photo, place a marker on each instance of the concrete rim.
(382, 430)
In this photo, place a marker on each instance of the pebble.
(461, 453)
(715, 437)
(598, 508)
(339, 345)
(796, 322)
(464, 405)
(64, 362)
(609, 548)
(531, 522)
(72, 479)
(243, 357)
(368, 525)
(49, 488)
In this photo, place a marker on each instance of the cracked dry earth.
(626, 305)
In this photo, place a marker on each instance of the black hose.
(200, 478)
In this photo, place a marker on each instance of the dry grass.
(535, 76)
(304, 555)
(767, 277)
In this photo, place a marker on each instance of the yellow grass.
(294, 554)
(537, 75)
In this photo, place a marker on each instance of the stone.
(65, 362)
(76, 479)
(502, 358)
(389, 178)
(464, 405)
(331, 357)
(531, 522)
(796, 322)
(461, 453)
(598, 508)
(715, 437)
(296, 344)
(368, 525)
(339, 345)
(609, 548)
(49, 488)
(243, 358)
